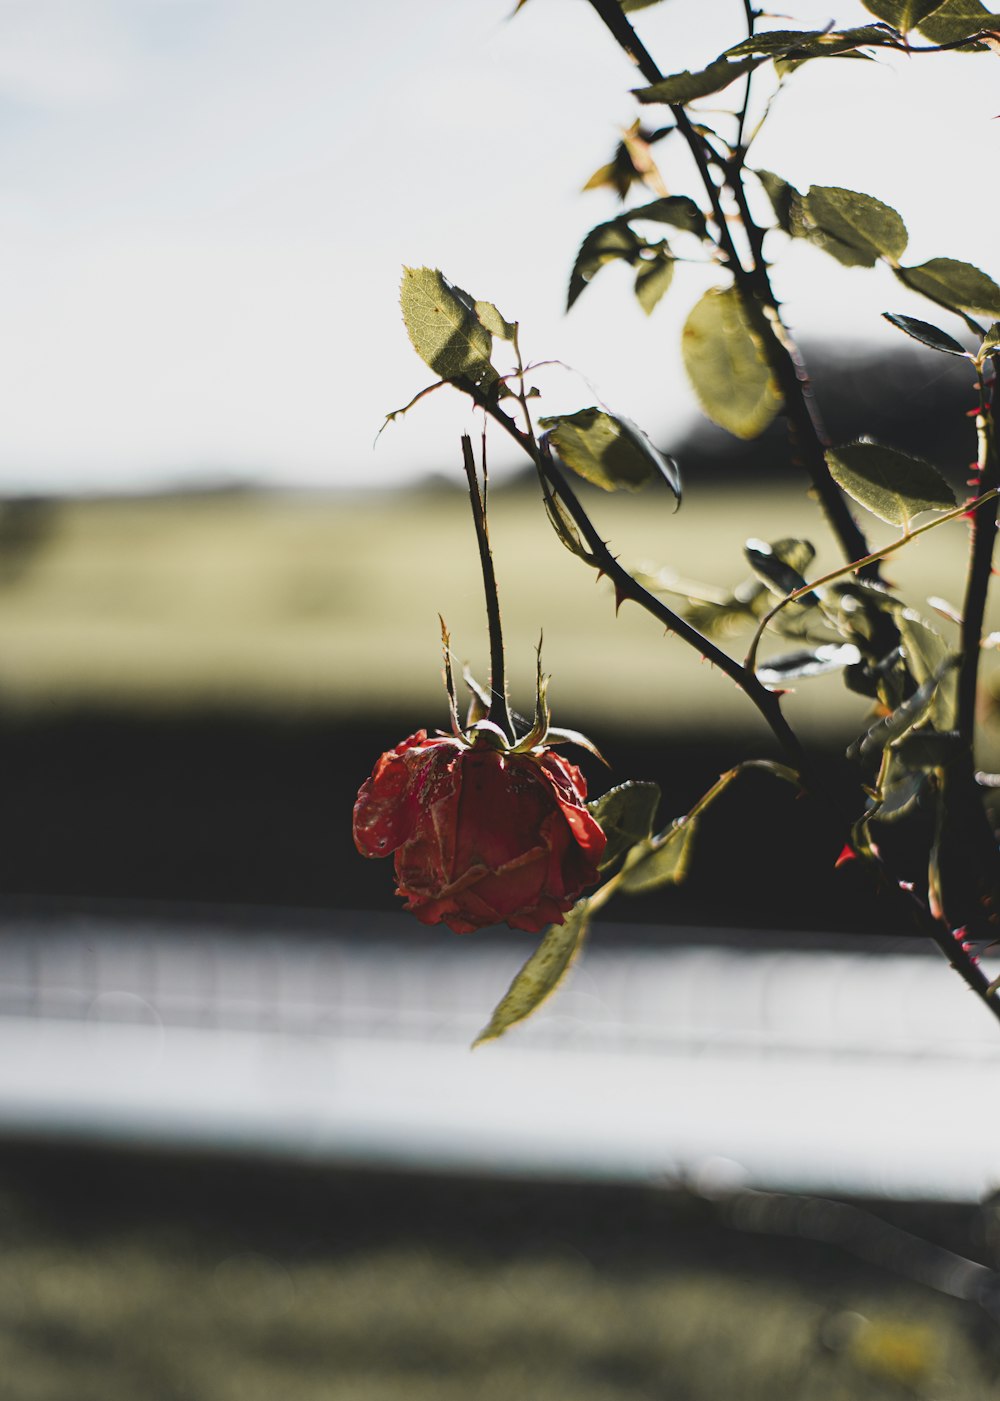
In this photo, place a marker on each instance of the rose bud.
(483, 833)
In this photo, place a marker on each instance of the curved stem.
(499, 711)
(750, 660)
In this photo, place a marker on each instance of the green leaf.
(798, 46)
(786, 201)
(864, 225)
(900, 784)
(925, 652)
(780, 565)
(653, 279)
(681, 88)
(957, 19)
(604, 244)
(927, 334)
(677, 210)
(811, 661)
(954, 284)
(663, 861)
(839, 43)
(541, 975)
(626, 814)
(927, 749)
(903, 15)
(891, 484)
(443, 326)
(609, 451)
(493, 322)
(903, 718)
(726, 367)
(774, 41)
(991, 344)
(564, 525)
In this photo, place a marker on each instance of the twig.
(856, 566)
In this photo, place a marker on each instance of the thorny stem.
(626, 587)
(759, 303)
(984, 531)
(960, 958)
(766, 702)
(499, 711)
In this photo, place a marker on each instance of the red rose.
(482, 835)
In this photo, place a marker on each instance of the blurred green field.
(331, 602)
(170, 1279)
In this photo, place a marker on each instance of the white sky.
(205, 205)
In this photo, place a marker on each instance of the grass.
(147, 1281)
(332, 603)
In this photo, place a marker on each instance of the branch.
(760, 305)
(626, 587)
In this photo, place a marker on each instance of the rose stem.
(499, 711)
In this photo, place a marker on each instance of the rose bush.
(481, 834)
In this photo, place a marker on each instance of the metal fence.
(693, 1054)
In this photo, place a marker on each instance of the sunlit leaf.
(891, 484)
(811, 661)
(604, 244)
(684, 87)
(665, 861)
(677, 210)
(443, 326)
(798, 46)
(838, 43)
(632, 162)
(957, 19)
(626, 814)
(773, 41)
(541, 975)
(609, 451)
(864, 225)
(903, 718)
(991, 343)
(652, 280)
(726, 366)
(491, 319)
(927, 334)
(902, 14)
(954, 284)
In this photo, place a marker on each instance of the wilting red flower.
(482, 835)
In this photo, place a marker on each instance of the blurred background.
(244, 1149)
